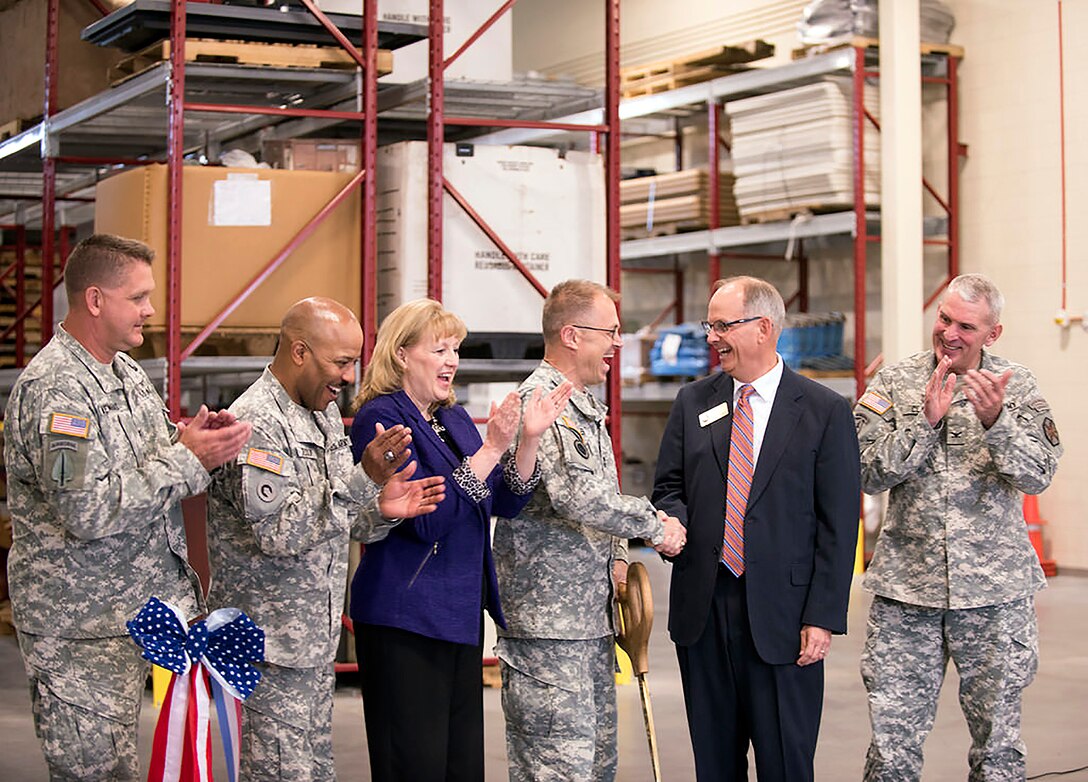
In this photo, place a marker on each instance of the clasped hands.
(676, 535)
(985, 390)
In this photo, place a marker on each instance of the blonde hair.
(405, 327)
(568, 302)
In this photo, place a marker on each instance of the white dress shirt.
(766, 386)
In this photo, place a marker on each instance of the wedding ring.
(389, 456)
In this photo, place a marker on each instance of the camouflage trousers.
(85, 695)
(907, 648)
(287, 726)
(559, 699)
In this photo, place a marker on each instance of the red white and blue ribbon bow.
(223, 646)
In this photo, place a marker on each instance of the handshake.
(676, 535)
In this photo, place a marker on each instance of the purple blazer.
(427, 577)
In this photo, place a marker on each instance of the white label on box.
(241, 199)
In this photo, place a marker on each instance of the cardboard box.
(312, 154)
(548, 209)
(234, 221)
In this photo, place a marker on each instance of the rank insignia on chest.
(875, 402)
(72, 425)
(265, 460)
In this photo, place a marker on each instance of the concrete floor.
(1054, 707)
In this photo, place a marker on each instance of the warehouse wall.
(1012, 214)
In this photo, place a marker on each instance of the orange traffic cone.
(1035, 533)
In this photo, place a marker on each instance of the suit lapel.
(720, 391)
(784, 415)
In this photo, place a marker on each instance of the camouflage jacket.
(279, 519)
(554, 560)
(95, 481)
(954, 535)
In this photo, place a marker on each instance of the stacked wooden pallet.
(677, 201)
(273, 55)
(793, 151)
(32, 287)
(650, 78)
(926, 47)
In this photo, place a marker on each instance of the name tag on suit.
(715, 413)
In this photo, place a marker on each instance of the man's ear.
(568, 337)
(298, 352)
(991, 338)
(94, 299)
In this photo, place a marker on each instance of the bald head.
(320, 340)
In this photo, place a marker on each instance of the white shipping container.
(491, 58)
(548, 209)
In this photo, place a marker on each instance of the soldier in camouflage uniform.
(96, 473)
(555, 560)
(956, 434)
(280, 517)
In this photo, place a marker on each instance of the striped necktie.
(741, 467)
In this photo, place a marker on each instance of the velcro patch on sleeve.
(875, 402)
(265, 460)
(71, 425)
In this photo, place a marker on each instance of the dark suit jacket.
(428, 576)
(800, 528)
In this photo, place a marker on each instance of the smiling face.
(123, 310)
(327, 362)
(747, 350)
(962, 330)
(597, 342)
(429, 368)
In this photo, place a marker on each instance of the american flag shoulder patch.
(72, 425)
(266, 460)
(875, 402)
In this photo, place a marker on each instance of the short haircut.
(568, 303)
(402, 328)
(761, 299)
(101, 259)
(972, 287)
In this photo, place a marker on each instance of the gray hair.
(760, 299)
(972, 287)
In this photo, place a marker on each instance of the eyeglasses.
(721, 327)
(612, 332)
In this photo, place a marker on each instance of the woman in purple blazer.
(417, 596)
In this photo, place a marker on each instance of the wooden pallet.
(273, 55)
(811, 50)
(663, 75)
(788, 213)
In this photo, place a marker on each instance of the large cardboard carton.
(234, 221)
(548, 209)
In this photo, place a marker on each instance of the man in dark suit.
(761, 466)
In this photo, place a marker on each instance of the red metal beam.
(494, 237)
(490, 122)
(226, 108)
(101, 8)
(435, 139)
(860, 225)
(20, 294)
(49, 164)
(476, 35)
(85, 160)
(955, 150)
(612, 202)
(175, 154)
(274, 264)
(335, 32)
(368, 298)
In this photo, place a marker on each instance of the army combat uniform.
(954, 573)
(279, 520)
(554, 565)
(95, 480)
